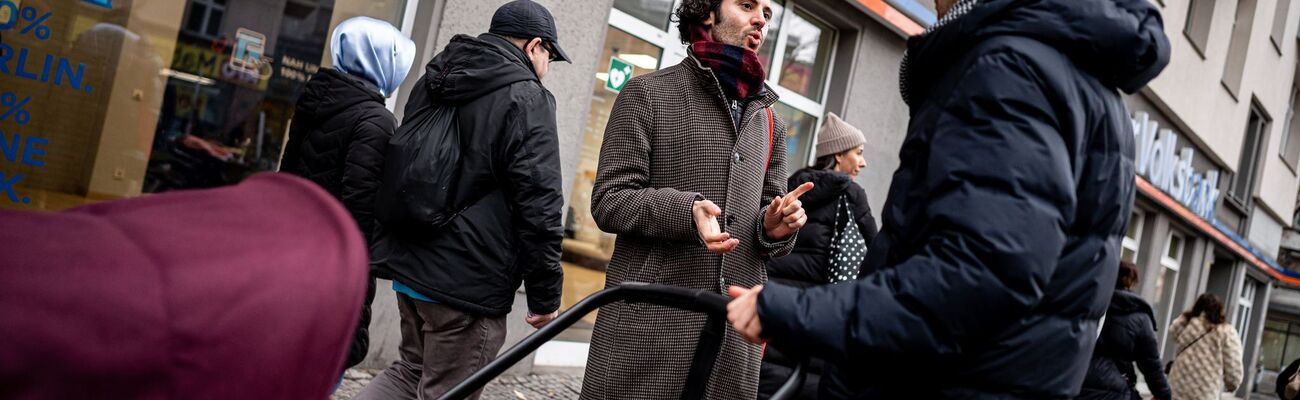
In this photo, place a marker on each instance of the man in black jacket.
(1003, 224)
(456, 283)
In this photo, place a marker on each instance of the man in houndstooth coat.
(691, 179)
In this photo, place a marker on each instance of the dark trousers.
(440, 348)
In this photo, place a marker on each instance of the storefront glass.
(653, 12)
(799, 135)
(1280, 344)
(587, 249)
(139, 96)
(807, 56)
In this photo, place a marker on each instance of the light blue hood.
(373, 50)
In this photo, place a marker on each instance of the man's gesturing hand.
(706, 221)
(785, 215)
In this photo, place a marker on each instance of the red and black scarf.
(737, 68)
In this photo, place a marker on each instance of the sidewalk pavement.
(538, 386)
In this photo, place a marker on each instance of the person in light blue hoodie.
(341, 126)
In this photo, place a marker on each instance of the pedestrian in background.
(1128, 336)
(691, 178)
(1288, 382)
(1009, 207)
(1208, 360)
(341, 125)
(456, 282)
(831, 246)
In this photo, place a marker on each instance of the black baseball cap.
(527, 19)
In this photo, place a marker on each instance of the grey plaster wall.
(873, 105)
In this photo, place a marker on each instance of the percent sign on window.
(11, 107)
(27, 20)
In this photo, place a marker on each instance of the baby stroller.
(242, 292)
(702, 301)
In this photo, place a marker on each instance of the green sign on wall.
(619, 73)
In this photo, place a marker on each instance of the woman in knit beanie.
(832, 245)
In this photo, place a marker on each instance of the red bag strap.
(770, 128)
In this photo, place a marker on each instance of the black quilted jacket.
(340, 128)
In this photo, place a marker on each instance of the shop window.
(1280, 15)
(1291, 132)
(154, 96)
(807, 56)
(1280, 344)
(1132, 239)
(799, 135)
(1248, 166)
(653, 12)
(205, 17)
(586, 249)
(799, 74)
(1235, 66)
(773, 32)
(1200, 15)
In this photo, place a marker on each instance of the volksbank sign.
(1172, 172)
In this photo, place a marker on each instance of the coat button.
(731, 219)
(737, 158)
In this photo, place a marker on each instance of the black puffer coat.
(1003, 223)
(340, 128)
(511, 154)
(809, 263)
(1127, 337)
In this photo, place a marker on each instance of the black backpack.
(421, 165)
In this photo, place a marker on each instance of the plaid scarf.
(958, 10)
(737, 68)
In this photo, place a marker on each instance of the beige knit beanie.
(837, 136)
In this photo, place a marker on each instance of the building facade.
(1216, 159)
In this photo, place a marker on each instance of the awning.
(1221, 234)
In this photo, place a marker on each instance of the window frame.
(1234, 67)
(1134, 243)
(1289, 146)
(789, 97)
(1169, 290)
(1281, 13)
(1200, 41)
(208, 7)
(1244, 200)
(1245, 305)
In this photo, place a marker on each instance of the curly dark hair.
(692, 12)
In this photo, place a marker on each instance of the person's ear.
(532, 46)
(712, 19)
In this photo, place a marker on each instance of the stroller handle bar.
(701, 301)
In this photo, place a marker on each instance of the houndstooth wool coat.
(671, 141)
